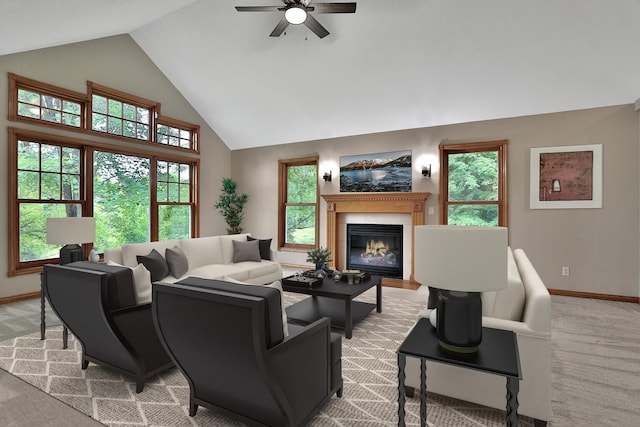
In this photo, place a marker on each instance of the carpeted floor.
(595, 350)
(369, 372)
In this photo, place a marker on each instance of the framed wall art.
(566, 177)
(377, 172)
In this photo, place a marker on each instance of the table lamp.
(461, 262)
(70, 232)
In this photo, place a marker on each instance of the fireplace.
(375, 248)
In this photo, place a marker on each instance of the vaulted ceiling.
(394, 64)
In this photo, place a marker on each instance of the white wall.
(601, 246)
(119, 63)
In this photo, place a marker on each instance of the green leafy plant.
(231, 205)
(319, 256)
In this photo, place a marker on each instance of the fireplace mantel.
(396, 203)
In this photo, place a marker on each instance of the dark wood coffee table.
(334, 300)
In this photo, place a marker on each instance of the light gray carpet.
(369, 372)
(595, 374)
(595, 362)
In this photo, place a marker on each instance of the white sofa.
(525, 308)
(208, 258)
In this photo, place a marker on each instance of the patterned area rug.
(369, 372)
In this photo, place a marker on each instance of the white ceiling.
(394, 64)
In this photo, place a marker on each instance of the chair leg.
(339, 392)
(139, 386)
(85, 364)
(193, 408)
(409, 391)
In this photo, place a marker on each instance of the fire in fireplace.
(375, 248)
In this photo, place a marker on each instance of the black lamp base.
(70, 253)
(459, 321)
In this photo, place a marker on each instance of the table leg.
(379, 296)
(423, 392)
(513, 386)
(348, 319)
(42, 320)
(402, 360)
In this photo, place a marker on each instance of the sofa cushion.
(506, 303)
(246, 251)
(261, 269)
(276, 285)
(202, 251)
(131, 251)
(265, 247)
(275, 333)
(156, 264)
(226, 243)
(141, 281)
(177, 261)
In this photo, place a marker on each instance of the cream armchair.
(526, 313)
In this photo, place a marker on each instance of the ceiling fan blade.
(334, 7)
(259, 8)
(315, 26)
(280, 27)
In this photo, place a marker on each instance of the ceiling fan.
(299, 12)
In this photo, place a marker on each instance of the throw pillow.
(265, 247)
(156, 264)
(177, 261)
(141, 281)
(245, 251)
(276, 285)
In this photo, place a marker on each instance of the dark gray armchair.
(99, 308)
(227, 340)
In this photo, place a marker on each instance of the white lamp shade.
(470, 259)
(71, 230)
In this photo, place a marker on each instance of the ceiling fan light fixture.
(295, 15)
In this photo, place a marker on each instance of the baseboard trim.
(412, 285)
(21, 297)
(593, 295)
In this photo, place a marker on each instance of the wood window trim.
(282, 198)
(501, 146)
(117, 95)
(17, 82)
(16, 267)
(193, 128)
(84, 99)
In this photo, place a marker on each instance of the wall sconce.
(327, 176)
(426, 171)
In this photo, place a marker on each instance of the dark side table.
(43, 323)
(497, 354)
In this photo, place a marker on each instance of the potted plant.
(231, 205)
(319, 256)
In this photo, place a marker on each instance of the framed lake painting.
(566, 177)
(378, 172)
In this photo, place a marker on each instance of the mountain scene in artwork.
(381, 172)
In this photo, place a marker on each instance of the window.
(299, 203)
(121, 200)
(47, 183)
(135, 195)
(35, 101)
(175, 133)
(121, 114)
(112, 113)
(174, 200)
(473, 187)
